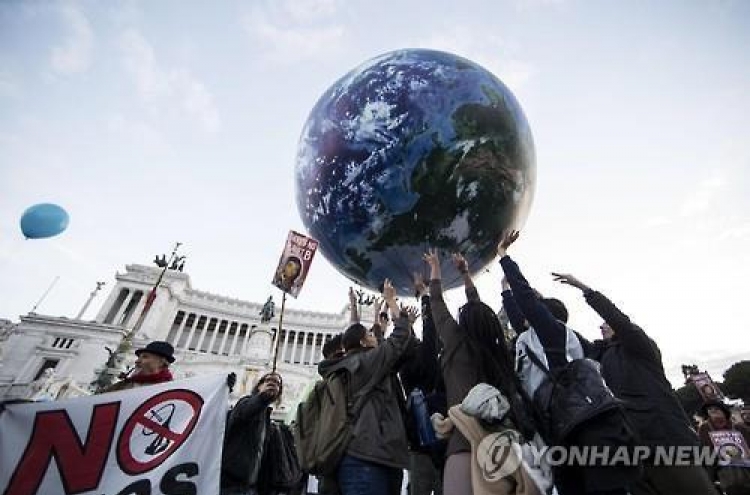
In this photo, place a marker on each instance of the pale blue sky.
(152, 122)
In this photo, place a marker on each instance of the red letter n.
(54, 435)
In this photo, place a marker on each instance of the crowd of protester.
(427, 406)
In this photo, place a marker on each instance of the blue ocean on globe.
(414, 149)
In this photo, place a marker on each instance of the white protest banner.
(294, 263)
(163, 439)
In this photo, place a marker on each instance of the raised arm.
(386, 355)
(430, 342)
(441, 317)
(463, 268)
(353, 314)
(430, 348)
(378, 325)
(513, 312)
(551, 332)
(632, 337)
(250, 405)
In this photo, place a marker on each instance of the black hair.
(352, 336)
(332, 346)
(486, 340)
(557, 308)
(256, 388)
(718, 404)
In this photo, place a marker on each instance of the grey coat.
(460, 370)
(379, 435)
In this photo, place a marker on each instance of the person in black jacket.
(245, 438)
(547, 318)
(632, 367)
(421, 370)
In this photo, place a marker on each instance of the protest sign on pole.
(157, 439)
(294, 263)
(706, 387)
(290, 274)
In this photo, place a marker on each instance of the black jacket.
(420, 369)
(244, 441)
(524, 303)
(378, 435)
(632, 366)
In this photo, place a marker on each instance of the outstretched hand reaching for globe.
(389, 294)
(433, 261)
(461, 265)
(508, 239)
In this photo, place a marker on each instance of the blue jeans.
(358, 477)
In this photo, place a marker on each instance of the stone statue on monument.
(41, 388)
(267, 312)
(176, 263)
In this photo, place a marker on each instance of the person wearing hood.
(632, 366)
(375, 458)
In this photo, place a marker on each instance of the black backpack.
(569, 397)
(280, 468)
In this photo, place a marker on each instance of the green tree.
(737, 381)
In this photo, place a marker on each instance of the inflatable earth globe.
(414, 149)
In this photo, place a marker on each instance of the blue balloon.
(44, 220)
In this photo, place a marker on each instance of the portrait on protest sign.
(294, 263)
(706, 387)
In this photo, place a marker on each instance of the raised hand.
(412, 311)
(433, 261)
(567, 279)
(460, 262)
(389, 293)
(507, 239)
(353, 307)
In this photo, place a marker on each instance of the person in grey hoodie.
(374, 461)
